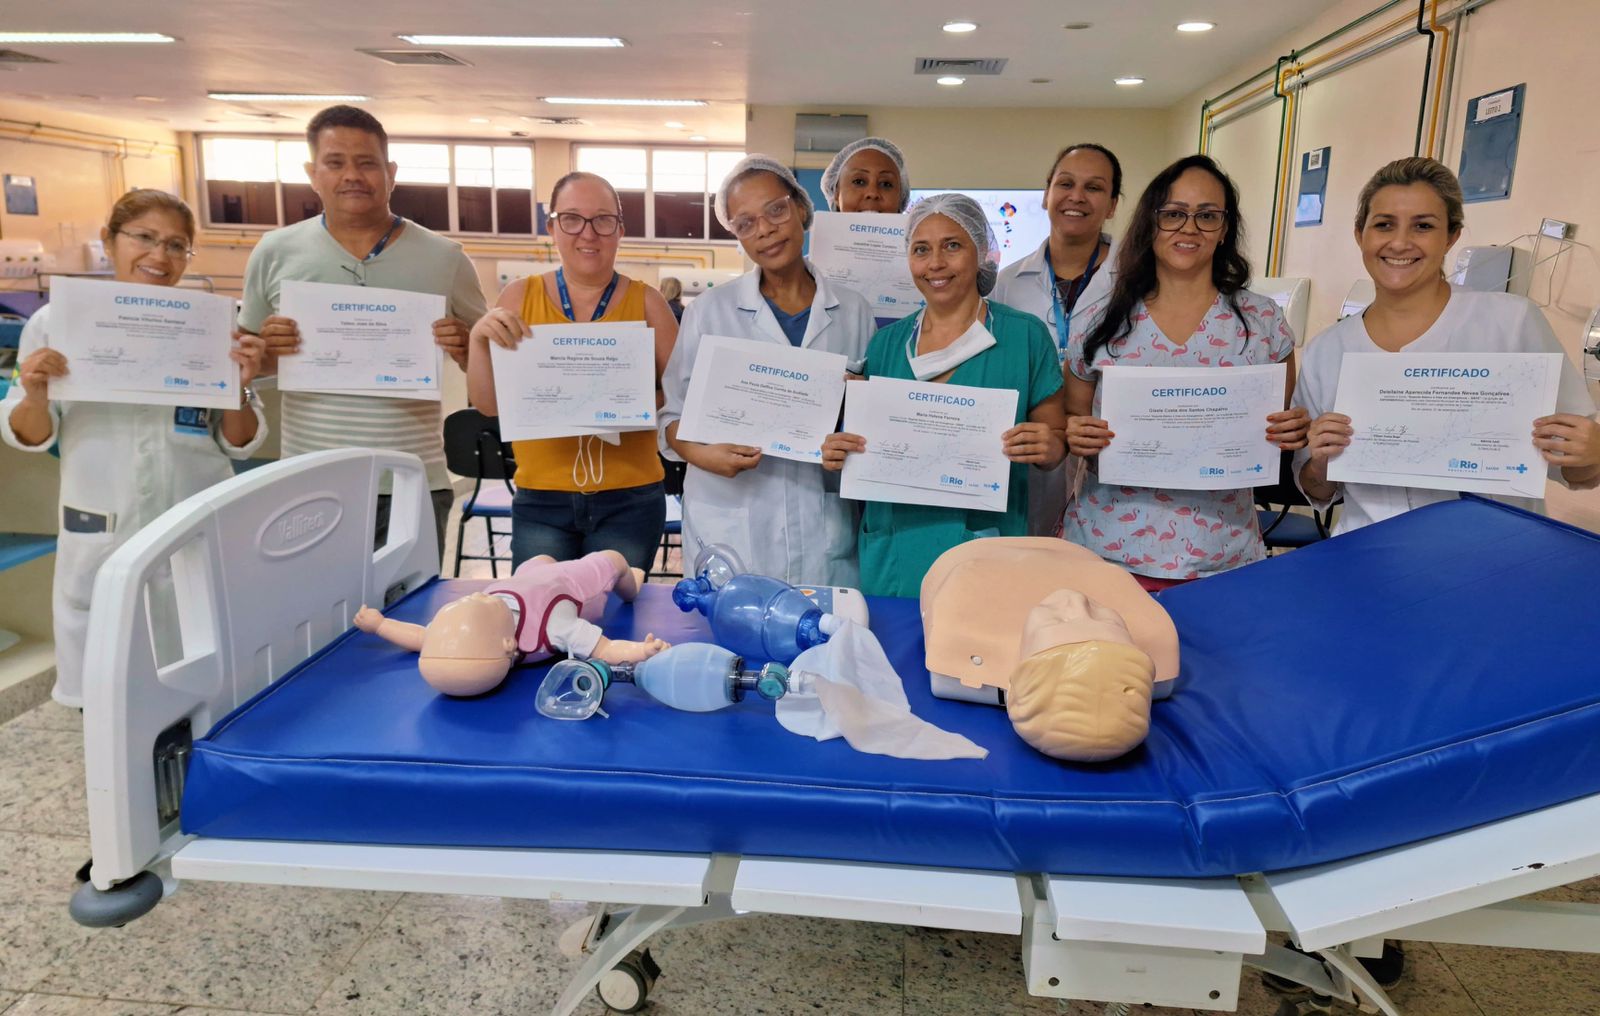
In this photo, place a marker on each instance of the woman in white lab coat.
(1069, 276)
(780, 516)
(1408, 217)
(121, 464)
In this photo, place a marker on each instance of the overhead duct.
(827, 132)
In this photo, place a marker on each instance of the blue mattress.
(1416, 677)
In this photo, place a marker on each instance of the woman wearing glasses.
(577, 495)
(1179, 301)
(122, 464)
(777, 514)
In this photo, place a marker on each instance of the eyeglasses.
(175, 248)
(572, 223)
(776, 213)
(1207, 220)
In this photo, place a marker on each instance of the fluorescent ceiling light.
(44, 37)
(676, 125)
(1196, 26)
(568, 100)
(522, 41)
(951, 79)
(697, 137)
(1129, 81)
(281, 97)
(478, 119)
(960, 26)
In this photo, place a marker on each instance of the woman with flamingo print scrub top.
(1180, 273)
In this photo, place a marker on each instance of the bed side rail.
(213, 601)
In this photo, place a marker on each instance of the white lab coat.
(779, 517)
(1025, 285)
(128, 463)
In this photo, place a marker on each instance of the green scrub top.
(900, 542)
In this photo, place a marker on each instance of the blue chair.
(472, 447)
(1281, 526)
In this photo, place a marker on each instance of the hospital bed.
(1392, 734)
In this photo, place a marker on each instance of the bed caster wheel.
(626, 986)
(114, 907)
(1311, 1005)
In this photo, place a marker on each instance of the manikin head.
(468, 647)
(1082, 690)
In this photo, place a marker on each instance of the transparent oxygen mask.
(717, 563)
(572, 690)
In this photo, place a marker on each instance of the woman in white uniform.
(775, 513)
(1408, 218)
(122, 465)
(1069, 276)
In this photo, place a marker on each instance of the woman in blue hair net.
(958, 338)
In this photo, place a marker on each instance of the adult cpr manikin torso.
(780, 517)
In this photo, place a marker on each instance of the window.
(666, 192)
(465, 188)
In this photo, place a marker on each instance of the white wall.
(1367, 113)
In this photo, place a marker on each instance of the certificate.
(1182, 428)
(778, 398)
(932, 444)
(866, 252)
(155, 345)
(361, 341)
(1446, 421)
(568, 380)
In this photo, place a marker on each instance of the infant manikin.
(543, 608)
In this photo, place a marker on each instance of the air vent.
(416, 57)
(556, 121)
(11, 56)
(964, 67)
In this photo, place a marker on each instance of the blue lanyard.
(383, 241)
(916, 330)
(599, 308)
(1063, 320)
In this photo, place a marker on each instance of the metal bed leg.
(618, 940)
(1341, 960)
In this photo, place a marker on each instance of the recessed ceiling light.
(960, 26)
(520, 41)
(1196, 26)
(697, 137)
(676, 125)
(1130, 80)
(281, 97)
(148, 98)
(46, 37)
(1077, 26)
(951, 79)
(478, 119)
(568, 100)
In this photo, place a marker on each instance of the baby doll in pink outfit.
(543, 608)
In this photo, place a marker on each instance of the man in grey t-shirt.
(358, 240)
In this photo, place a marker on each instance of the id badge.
(77, 520)
(191, 420)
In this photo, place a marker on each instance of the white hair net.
(763, 164)
(830, 176)
(967, 214)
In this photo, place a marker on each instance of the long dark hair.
(1136, 260)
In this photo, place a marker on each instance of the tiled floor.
(226, 949)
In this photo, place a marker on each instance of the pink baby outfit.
(539, 585)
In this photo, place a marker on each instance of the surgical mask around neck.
(941, 361)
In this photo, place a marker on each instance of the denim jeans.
(565, 525)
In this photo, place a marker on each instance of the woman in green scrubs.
(959, 338)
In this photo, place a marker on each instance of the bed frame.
(269, 567)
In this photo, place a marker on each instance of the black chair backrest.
(472, 446)
(1284, 493)
(672, 483)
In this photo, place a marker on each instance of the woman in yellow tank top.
(576, 495)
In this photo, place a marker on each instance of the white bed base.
(251, 608)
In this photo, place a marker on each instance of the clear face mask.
(717, 563)
(572, 690)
